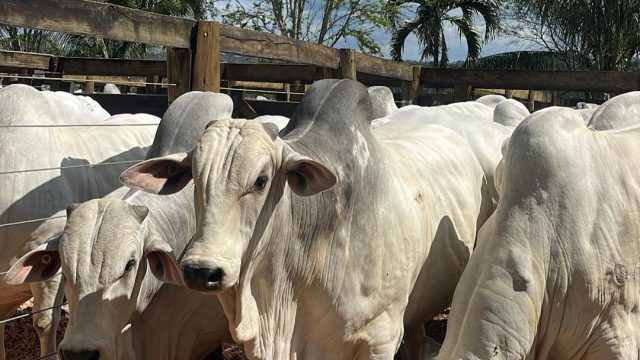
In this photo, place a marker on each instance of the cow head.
(240, 169)
(102, 253)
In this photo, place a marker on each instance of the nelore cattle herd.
(336, 235)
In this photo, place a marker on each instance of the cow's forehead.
(98, 227)
(231, 143)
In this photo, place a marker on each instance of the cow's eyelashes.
(130, 265)
(260, 183)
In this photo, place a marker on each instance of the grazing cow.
(382, 101)
(313, 242)
(104, 251)
(42, 170)
(556, 272)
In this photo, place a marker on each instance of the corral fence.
(193, 51)
(194, 48)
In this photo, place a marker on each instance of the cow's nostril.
(80, 355)
(216, 276)
(203, 279)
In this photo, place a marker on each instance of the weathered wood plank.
(608, 81)
(373, 80)
(178, 72)
(254, 43)
(111, 67)
(25, 60)
(206, 66)
(98, 19)
(276, 73)
(376, 66)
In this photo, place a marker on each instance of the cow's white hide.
(309, 274)
(65, 106)
(128, 231)
(474, 122)
(111, 89)
(44, 193)
(510, 113)
(491, 100)
(382, 101)
(555, 274)
(280, 121)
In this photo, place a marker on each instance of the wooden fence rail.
(120, 23)
(193, 55)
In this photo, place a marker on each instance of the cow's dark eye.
(130, 265)
(261, 182)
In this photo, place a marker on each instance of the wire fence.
(71, 167)
(31, 221)
(17, 317)
(261, 91)
(75, 125)
(115, 82)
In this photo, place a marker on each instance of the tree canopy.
(326, 22)
(602, 34)
(427, 20)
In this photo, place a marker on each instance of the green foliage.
(30, 40)
(522, 60)
(600, 35)
(428, 25)
(323, 21)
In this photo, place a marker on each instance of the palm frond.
(398, 38)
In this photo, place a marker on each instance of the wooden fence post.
(206, 66)
(508, 93)
(348, 64)
(178, 72)
(89, 86)
(461, 93)
(531, 101)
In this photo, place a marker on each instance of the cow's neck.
(301, 259)
(171, 219)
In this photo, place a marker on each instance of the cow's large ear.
(306, 176)
(164, 175)
(37, 265)
(163, 263)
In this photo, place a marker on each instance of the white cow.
(67, 106)
(123, 234)
(510, 113)
(491, 100)
(314, 241)
(382, 101)
(111, 89)
(280, 121)
(474, 121)
(42, 170)
(556, 271)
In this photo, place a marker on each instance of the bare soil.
(21, 341)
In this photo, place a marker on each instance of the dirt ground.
(21, 341)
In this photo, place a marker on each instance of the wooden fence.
(194, 47)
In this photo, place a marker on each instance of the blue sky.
(457, 47)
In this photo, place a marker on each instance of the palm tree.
(431, 17)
